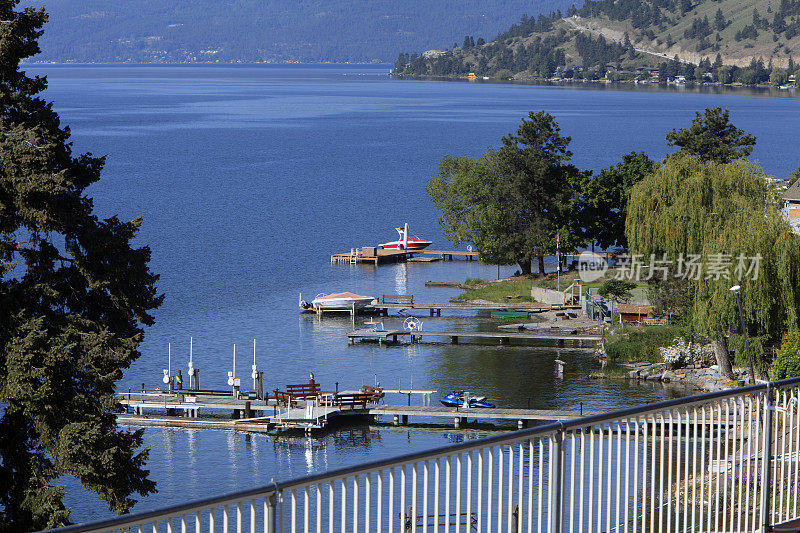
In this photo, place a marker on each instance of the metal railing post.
(270, 513)
(766, 462)
(556, 482)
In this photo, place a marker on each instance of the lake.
(249, 177)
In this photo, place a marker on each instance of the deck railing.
(724, 461)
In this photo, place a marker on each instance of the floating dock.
(504, 337)
(435, 309)
(183, 410)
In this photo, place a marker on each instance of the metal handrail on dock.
(633, 469)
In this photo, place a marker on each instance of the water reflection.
(401, 278)
(191, 441)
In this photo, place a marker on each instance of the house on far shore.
(432, 54)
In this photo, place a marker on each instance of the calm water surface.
(249, 177)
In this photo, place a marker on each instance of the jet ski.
(456, 399)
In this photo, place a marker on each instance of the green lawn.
(505, 292)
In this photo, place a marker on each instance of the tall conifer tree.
(74, 297)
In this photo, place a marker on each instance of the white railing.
(725, 461)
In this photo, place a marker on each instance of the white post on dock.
(405, 236)
(169, 366)
(254, 373)
(191, 363)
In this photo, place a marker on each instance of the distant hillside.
(710, 41)
(267, 30)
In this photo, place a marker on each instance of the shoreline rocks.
(701, 378)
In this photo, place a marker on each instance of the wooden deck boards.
(503, 336)
(494, 414)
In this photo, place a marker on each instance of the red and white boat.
(406, 241)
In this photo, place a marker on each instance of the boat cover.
(343, 296)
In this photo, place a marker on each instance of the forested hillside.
(267, 30)
(707, 41)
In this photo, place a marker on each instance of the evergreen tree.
(719, 20)
(712, 137)
(400, 64)
(74, 295)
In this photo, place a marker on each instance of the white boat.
(341, 301)
(406, 241)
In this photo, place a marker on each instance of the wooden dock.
(504, 337)
(448, 255)
(460, 415)
(380, 256)
(184, 410)
(435, 309)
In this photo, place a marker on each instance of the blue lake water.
(249, 177)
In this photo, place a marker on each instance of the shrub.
(617, 289)
(642, 344)
(787, 362)
(680, 353)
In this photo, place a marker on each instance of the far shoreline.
(748, 90)
(762, 91)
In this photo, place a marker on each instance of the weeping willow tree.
(728, 215)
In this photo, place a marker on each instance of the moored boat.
(341, 301)
(406, 241)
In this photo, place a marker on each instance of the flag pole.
(558, 263)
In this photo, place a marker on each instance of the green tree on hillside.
(712, 137)
(513, 201)
(720, 22)
(727, 214)
(74, 295)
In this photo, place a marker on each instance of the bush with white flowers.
(680, 353)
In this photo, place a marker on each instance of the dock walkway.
(504, 337)
(163, 409)
(436, 308)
